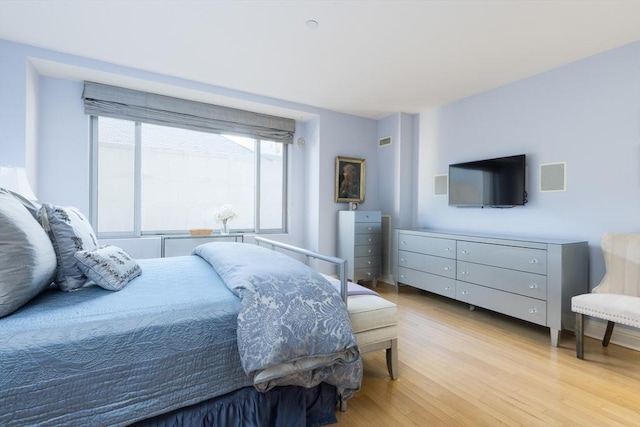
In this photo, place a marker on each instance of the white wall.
(586, 114)
(55, 123)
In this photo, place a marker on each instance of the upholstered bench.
(375, 325)
(374, 321)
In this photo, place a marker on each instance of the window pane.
(187, 175)
(116, 165)
(271, 185)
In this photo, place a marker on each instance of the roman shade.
(128, 104)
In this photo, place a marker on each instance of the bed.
(192, 340)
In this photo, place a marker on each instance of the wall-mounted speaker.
(440, 185)
(553, 177)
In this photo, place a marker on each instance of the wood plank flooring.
(479, 368)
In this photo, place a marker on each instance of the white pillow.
(27, 259)
(109, 266)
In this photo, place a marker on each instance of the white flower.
(224, 213)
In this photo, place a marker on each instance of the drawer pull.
(369, 228)
(533, 310)
(403, 260)
(533, 261)
(368, 273)
(447, 268)
(447, 288)
(369, 262)
(464, 293)
(404, 243)
(369, 239)
(533, 286)
(464, 252)
(369, 251)
(447, 249)
(464, 272)
(402, 276)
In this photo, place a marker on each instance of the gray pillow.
(27, 259)
(69, 232)
(109, 266)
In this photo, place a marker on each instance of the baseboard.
(623, 336)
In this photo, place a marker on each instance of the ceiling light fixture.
(312, 24)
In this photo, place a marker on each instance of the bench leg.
(608, 332)
(392, 359)
(579, 335)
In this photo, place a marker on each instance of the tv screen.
(496, 182)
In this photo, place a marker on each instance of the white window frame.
(137, 231)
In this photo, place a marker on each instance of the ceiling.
(367, 58)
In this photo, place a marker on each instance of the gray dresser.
(359, 243)
(527, 278)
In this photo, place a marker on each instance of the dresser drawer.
(428, 263)
(517, 282)
(515, 258)
(525, 308)
(366, 250)
(428, 282)
(427, 245)
(367, 228)
(368, 216)
(366, 239)
(370, 273)
(366, 262)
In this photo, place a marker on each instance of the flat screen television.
(498, 182)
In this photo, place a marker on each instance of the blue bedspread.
(293, 327)
(96, 357)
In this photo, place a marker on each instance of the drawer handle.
(533, 261)
(464, 293)
(447, 268)
(368, 273)
(448, 288)
(464, 272)
(447, 249)
(369, 228)
(369, 239)
(464, 252)
(533, 286)
(402, 276)
(402, 260)
(369, 251)
(404, 243)
(533, 310)
(369, 262)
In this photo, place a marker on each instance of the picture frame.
(349, 180)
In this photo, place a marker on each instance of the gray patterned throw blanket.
(293, 327)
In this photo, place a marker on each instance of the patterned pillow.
(109, 266)
(69, 232)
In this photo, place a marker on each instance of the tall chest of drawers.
(360, 244)
(530, 279)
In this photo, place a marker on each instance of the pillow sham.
(110, 267)
(69, 232)
(27, 258)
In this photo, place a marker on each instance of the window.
(150, 179)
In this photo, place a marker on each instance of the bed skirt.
(279, 407)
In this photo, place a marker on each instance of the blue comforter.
(293, 327)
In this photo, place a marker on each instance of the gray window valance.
(128, 104)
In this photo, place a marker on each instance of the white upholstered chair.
(617, 297)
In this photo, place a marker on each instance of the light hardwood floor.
(479, 368)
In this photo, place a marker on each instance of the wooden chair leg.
(343, 404)
(608, 332)
(579, 335)
(392, 359)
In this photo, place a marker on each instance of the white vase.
(224, 229)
